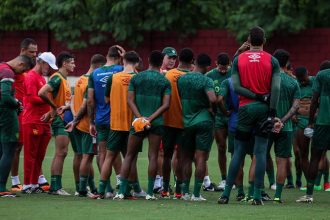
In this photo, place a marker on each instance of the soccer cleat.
(119, 197)
(16, 188)
(59, 192)
(109, 195)
(326, 187)
(212, 188)
(289, 186)
(240, 197)
(273, 186)
(277, 200)
(150, 197)
(37, 190)
(222, 185)
(197, 199)
(141, 194)
(304, 188)
(318, 188)
(27, 190)
(305, 199)
(76, 193)
(157, 190)
(265, 197)
(247, 199)
(186, 197)
(45, 186)
(165, 195)
(7, 194)
(257, 202)
(177, 196)
(223, 200)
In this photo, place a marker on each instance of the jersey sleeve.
(167, 88)
(131, 86)
(55, 83)
(297, 94)
(209, 85)
(224, 88)
(108, 86)
(91, 82)
(7, 96)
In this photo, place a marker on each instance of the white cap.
(49, 58)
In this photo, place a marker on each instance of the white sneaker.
(150, 197)
(62, 192)
(141, 194)
(197, 199)
(234, 187)
(90, 195)
(186, 197)
(273, 187)
(305, 199)
(118, 197)
(109, 195)
(222, 185)
(76, 193)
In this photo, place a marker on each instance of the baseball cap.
(49, 58)
(170, 51)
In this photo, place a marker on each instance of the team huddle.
(253, 104)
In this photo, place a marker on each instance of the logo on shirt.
(104, 80)
(254, 58)
(35, 131)
(125, 80)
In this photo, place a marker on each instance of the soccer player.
(59, 101)
(288, 105)
(28, 48)
(173, 123)
(197, 97)
(149, 95)
(36, 132)
(79, 128)
(321, 138)
(218, 75)
(98, 110)
(9, 108)
(255, 74)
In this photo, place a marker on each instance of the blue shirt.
(233, 103)
(98, 81)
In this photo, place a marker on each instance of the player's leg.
(303, 145)
(16, 184)
(117, 166)
(30, 149)
(220, 135)
(297, 161)
(76, 143)
(159, 177)
(270, 166)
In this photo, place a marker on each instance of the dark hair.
(28, 61)
(257, 36)
(132, 57)
(282, 56)
(223, 59)
(27, 42)
(300, 71)
(186, 55)
(63, 57)
(325, 65)
(156, 58)
(98, 60)
(203, 60)
(113, 52)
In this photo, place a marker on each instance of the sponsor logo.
(254, 58)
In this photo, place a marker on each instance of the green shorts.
(250, 117)
(231, 144)
(117, 141)
(198, 136)
(74, 136)
(282, 144)
(58, 126)
(221, 121)
(156, 130)
(103, 132)
(302, 122)
(171, 137)
(321, 137)
(83, 143)
(9, 128)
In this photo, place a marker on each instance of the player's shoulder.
(6, 72)
(212, 73)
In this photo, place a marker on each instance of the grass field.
(55, 207)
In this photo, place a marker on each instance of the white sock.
(27, 186)
(157, 183)
(42, 179)
(15, 180)
(207, 181)
(161, 181)
(118, 179)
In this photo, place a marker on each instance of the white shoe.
(273, 187)
(90, 195)
(119, 197)
(76, 193)
(186, 197)
(141, 194)
(62, 192)
(150, 197)
(305, 199)
(222, 185)
(234, 187)
(109, 195)
(197, 199)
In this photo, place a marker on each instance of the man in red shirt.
(36, 132)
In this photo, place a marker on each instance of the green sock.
(2, 187)
(271, 176)
(136, 186)
(240, 190)
(299, 174)
(197, 187)
(59, 181)
(128, 190)
(91, 183)
(318, 178)
(227, 191)
(251, 189)
(257, 193)
(109, 187)
(151, 183)
(224, 177)
(166, 185)
(310, 187)
(278, 192)
(123, 186)
(326, 176)
(83, 183)
(102, 186)
(77, 186)
(53, 183)
(290, 179)
(178, 186)
(185, 186)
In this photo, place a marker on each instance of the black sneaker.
(157, 190)
(289, 186)
(38, 190)
(265, 197)
(257, 202)
(210, 188)
(27, 190)
(223, 200)
(240, 197)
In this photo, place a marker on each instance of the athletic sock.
(166, 185)
(15, 180)
(151, 183)
(251, 189)
(2, 187)
(197, 187)
(54, 183)
(207, 181)
(178, 186)
(310, 187)
(185, 186)
(83, 183)
(298, 178)
(260, 151)
(271, 176)
(59, 181)
(226, 192)
(290, 179)
(326, 176)
(42, 179)
(91, 183)
(136, 186)
(109, 187)
(102, 186)
(128, 190)
(279, 188)
(257, 193)
(240, 189)
(77, 183)
(118, 179)
(318, 178)
(123, 186)
(157, 181)
(224, 177)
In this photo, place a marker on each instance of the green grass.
(55, 207)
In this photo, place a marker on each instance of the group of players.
(254, 102)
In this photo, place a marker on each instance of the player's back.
(322, 86)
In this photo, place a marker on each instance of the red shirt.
(19, 86)
(255, 73)
(34, 106)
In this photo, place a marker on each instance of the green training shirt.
(322, 86)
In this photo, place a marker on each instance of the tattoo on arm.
(294, 108)
(81, 113)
